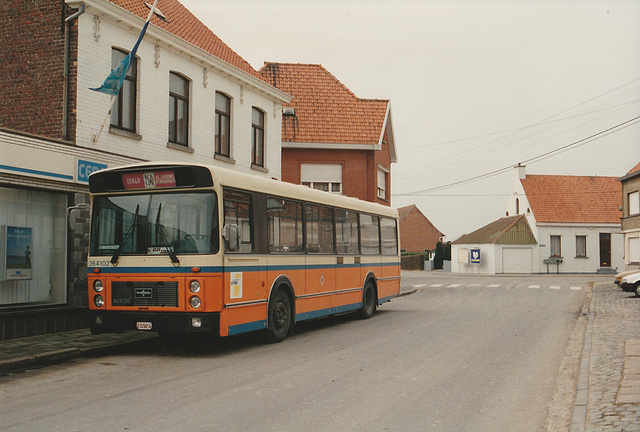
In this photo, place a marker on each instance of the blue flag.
(114, 81)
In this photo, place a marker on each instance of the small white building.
(503, 246)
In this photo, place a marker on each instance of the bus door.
(245, 272)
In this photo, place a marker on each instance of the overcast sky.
(475, 86)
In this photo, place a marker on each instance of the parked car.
(630, 281)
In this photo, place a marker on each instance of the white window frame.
(634, 203)
(325, 177)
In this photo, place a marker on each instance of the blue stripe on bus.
(329, 311)
(247, 327)
(220, 269)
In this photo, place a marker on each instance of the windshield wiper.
(163, 237)
(116, 255)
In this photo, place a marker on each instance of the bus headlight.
(194, 286)
(97, 285)
(195, 302)
(98, 301)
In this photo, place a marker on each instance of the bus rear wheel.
(368, 301)
(279, 317)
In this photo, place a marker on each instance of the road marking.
(554, 287)
(534, 286)
(493, 286)
(419, 286)
(435, 285)
(575, 288)
(453, 285)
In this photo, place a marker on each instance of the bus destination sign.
(149, 180)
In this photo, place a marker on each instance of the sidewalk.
(608, 387)
(42, 350)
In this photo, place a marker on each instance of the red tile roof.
(183, 24)
(574, 199)
(634, 169)
(326, 111)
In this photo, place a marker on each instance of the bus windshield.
(155, 224)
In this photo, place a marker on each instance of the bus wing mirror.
(74, 213)
(231, 234)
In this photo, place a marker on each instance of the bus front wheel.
(368, 301)
(279, 318)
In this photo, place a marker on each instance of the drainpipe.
(65, 107)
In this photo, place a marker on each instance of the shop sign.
(85, 168)
(475, 256)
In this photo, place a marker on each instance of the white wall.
(487, 259)
(572, 264)
(156, 58)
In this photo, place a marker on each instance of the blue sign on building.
(475, 256)
(85, 168)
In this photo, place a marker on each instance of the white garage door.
(517, 260)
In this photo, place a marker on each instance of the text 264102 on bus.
(191, 248)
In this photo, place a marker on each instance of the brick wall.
(32, 59)
(355, 168)
(417, 233)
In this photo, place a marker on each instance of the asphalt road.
(480, 356)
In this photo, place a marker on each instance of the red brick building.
(331, 139)
(417, 233)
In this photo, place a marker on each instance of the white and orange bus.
(191, 248)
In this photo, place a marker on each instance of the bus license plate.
(143, 325)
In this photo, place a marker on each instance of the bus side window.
(284, 225)
(369, 234)
(237, 216)
(346, 232)
(389, 236)
(319, 229)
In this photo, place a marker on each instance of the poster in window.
(18, 253)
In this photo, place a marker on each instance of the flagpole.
(114, 96)
(96, 137)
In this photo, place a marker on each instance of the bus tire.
(369, 301)
(279, 317)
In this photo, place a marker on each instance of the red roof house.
(417, 233)
(576, 219)
(332, 139)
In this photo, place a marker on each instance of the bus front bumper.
(119, 321)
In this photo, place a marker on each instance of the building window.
(33, 235)
(223, 125)
(257, 137)
(581, 246)
(382, 183)
(123, 113)
(634, 203)
(326, 177)
(556, 246)
(178, 109)
(634, 250)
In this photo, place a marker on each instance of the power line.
(538, 158)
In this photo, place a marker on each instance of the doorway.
(605, 249)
